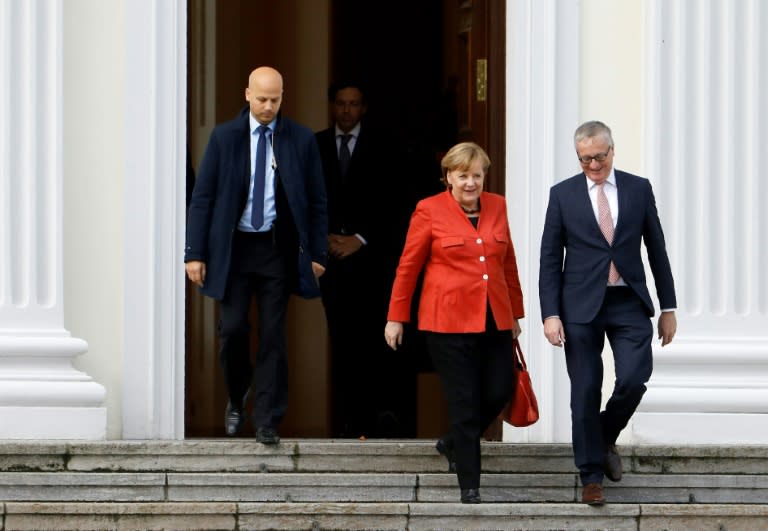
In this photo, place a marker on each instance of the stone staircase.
(239, 484)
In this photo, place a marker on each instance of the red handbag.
(523, 409)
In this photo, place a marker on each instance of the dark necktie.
(259, 176)
(344, 155)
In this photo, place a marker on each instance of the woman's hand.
(393, 334)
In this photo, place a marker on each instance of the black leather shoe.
(470, 495)
(446, 451)
(233, 419)
(612, 463)
(267, 435)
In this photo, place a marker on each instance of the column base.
(89, 423)
(699, 428)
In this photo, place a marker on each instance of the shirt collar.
(611, 179)
(254, 124)
(355, 131)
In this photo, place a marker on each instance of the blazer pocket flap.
(501, 238)
(451, 241)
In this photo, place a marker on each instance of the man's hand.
(341, 246)
(196, 271)
(553, 331)
(318, 269)
(667, 327)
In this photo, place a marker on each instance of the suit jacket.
(221, 193)
(356, 206)
(353, 203)
(575, 256)
(464, 268)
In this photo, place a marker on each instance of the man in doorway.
(370, 387)
(257, 211)
(592, 286)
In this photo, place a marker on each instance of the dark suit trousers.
(374, 389)
(476, 375)
(623, 319)
(258, 269)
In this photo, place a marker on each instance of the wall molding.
(154, 195)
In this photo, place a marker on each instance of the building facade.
(92, 187)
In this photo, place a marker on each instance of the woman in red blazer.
(469, 306)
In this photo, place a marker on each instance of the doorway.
(435, 74)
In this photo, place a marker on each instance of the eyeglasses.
(600, 157)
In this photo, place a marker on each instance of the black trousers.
(373, 388)
(624, 321)
(258, 269)
(477, 379)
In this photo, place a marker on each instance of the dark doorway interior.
(397, 56)
(396, 50)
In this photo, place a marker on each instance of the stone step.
(368, 487)
(374, 484)
(308, 455)
(170, 516)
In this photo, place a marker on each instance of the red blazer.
(464, 267)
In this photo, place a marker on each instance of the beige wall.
(93, 159)
(611, 68)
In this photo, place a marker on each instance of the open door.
(475, 44)
(441, 79)
(476, 69)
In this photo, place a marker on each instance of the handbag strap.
(519, 355)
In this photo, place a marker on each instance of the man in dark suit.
(371, 388)
(257, 226)
(592, 285)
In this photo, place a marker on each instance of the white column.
(705, 134)
(542, 81)
(42, 396)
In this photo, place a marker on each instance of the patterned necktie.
(259, 177)
(606, 226)
(344, 155)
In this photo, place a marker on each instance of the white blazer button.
(482, 258)
(485, 277)
(479, 240)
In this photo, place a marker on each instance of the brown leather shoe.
(592, 494)
(612, 463)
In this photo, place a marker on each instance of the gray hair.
(592, 129)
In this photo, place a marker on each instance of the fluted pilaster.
(707, 83)
(41, 394)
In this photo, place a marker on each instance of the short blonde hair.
(461, 157)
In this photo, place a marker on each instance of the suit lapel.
(624, 199)
(585, 205)
(244, 154)
(458, 217)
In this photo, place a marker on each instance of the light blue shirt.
(270, 213)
